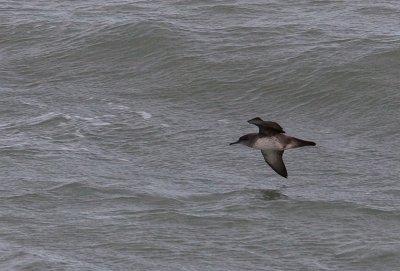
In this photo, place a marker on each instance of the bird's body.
(278, 142)
(272, 141)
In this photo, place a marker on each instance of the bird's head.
(246, 140)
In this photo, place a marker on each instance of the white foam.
(144, 115)
(223, 121)
(124, 160)
(118, 107)
(78, 134)
(100, 123)
(82, 118)
(94, 121)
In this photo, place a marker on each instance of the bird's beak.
(237, 142)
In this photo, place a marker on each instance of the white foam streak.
(144, 114)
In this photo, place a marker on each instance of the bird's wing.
(275, 161)
(267, 127)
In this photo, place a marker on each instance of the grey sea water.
(115, 120)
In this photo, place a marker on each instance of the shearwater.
(272, 142)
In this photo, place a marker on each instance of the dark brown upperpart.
(266, 128)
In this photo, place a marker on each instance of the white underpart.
(268, 143)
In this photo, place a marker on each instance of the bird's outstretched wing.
(267, 127)
(275, 161)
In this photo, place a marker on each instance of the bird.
(272, 142)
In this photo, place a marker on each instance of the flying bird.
(272, 142)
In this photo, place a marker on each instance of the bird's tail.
(303, 143)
